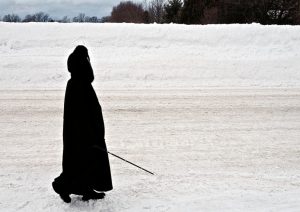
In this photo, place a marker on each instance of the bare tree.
(128, 12)
(41, 17)
(87, 19)
(65, 19)
(28, 18)
(79, 18)
(105, 19)
(94, 19)
(11, 18)
(37, 17)
(156, 11)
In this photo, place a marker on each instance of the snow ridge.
(34, 55)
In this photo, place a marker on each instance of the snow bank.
(34, 55)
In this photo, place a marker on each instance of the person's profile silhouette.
(85, 166)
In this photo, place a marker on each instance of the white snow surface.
(210, 150)
(34, 55)
(213, 111)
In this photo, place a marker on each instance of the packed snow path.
(225, 150)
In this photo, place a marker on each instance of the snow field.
(211, 150)
(213, 110)
(34, 55)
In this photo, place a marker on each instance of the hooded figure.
(85, 166)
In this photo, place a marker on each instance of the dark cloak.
(85, 159)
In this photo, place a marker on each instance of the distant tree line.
(44, 17)
(187, 12)
(208, 11)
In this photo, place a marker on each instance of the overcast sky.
(58, 8)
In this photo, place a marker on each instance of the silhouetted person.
(85, 166)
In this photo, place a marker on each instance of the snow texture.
(34, 55)
(213, 111)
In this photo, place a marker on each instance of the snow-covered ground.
(216, 150)
(132, 56)
(214, 111)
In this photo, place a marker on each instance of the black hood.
(79, 65)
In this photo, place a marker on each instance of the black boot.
(63, 194)
(91, 194)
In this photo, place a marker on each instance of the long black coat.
(85, 160)
(84, 156)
